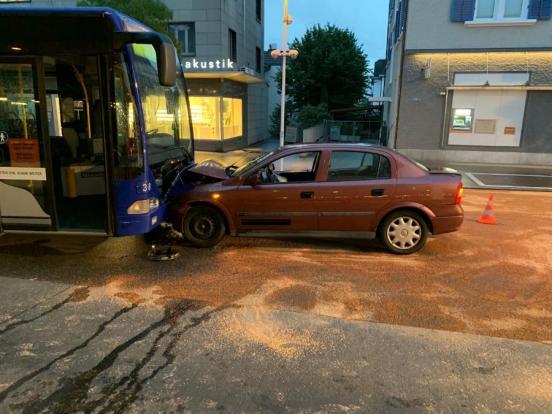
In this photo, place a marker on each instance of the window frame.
(359, 179)
(258, 59)
(259, 10)
(185, 48)
(498, 13)
(316, 167)
(232, 45)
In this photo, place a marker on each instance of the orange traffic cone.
(488, 215)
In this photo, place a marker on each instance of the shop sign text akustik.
(209, 64)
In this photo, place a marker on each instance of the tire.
(403, 232)
(204, 226)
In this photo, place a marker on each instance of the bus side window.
(129, 161)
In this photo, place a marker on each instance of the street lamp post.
(284, 53)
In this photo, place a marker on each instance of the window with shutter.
(501, 10)
(400, 19)
(462, 10)
(540, 9)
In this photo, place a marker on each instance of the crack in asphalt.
(76, 296)
(4, 394)
(35, 305)
(119, 402)
(72, 395)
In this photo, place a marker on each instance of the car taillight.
(459, 193)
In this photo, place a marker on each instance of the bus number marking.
(143, 188)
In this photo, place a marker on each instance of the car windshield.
(251, 164)
(166, 116)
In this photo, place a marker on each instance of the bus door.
(77, 140)
(25, 198)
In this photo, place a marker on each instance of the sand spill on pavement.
(118, 290)
(247, 328)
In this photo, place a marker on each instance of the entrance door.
(52, 161)
(77, 141)
(24, 196)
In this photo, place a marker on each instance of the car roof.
(337, 146)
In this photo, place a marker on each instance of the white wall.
(505, 107)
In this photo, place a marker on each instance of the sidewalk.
(238, 156)
(503, 177)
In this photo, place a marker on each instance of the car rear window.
(357, 165)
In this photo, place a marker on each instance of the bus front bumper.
(130, 225)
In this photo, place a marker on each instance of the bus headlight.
(143, 206)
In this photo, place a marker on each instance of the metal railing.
(353, 131)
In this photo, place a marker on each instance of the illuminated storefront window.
(232, 117)
(216, 118)
(205, 117)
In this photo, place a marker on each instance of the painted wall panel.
(505, 107)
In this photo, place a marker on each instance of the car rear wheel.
(404, 232)
(204, 226)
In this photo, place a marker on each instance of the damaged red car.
(321, 190)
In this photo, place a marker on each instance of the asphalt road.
(283, 325)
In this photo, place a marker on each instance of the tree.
(331, 69)
(152, 13)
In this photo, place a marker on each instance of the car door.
(284, 204)
(357, 185)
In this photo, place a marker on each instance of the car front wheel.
(204, 226)
(404, 232)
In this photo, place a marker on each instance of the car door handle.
(378, 192)
(307, 194)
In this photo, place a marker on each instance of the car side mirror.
(254, 180)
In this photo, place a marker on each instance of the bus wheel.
(204, 226)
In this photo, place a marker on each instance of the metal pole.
(284, 61)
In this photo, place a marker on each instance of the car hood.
(210, 168)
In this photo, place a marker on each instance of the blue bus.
(95, 125)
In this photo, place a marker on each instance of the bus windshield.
(166, 116)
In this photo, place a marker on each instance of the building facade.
(221, 43)
(470, 80)
(221, 48)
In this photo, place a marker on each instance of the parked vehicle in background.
(321, 190)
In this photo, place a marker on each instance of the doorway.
(77, 142)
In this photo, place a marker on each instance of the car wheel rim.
(203, 227)
(404, 233)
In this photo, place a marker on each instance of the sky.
(366, 18)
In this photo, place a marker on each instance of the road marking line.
(480, 183)
(517, 187)
(476, 180)
(515, 175)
